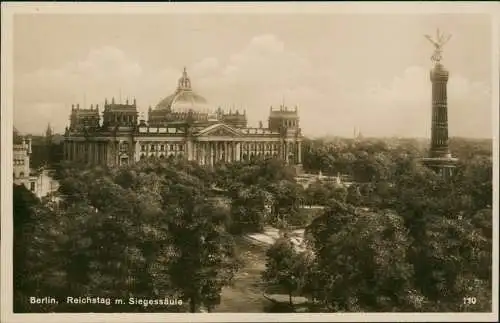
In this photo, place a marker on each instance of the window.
(171, 147)
(21, 174)
(143, 147)
(124, 146)
(32, 186)
(181, 147)
(152, 147)
(162, 147)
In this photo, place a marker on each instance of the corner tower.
(439, 159)
(286, 122)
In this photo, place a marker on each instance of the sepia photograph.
(273, 161)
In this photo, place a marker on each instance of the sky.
(343, 71)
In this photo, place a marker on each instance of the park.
(253, 237)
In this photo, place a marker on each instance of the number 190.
(470, 300)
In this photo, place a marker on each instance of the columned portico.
(210, 152)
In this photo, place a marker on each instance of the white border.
(9, 9)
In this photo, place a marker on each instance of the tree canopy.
(397, 238)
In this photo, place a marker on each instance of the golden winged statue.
(438, 42)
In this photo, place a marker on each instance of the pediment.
(219, 130)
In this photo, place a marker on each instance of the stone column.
(299, 152)
(211, 153)
(117, 153)
(198, 153)
(202, 153)
(103, 153)
(195, 152)
(189, 148)
(216, 147)
(206, 153)
(96, 152)
(224, 151)
(439, 129)
(286, 151)
(237, 151)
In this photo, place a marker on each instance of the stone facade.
(40, 183)
(181, 125)
(440, 158)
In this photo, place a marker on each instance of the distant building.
(40, 184)
(21, 156)
(181, 125)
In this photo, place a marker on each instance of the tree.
(204, 257)
(475, 179)
(249, 209)
(113, 245)
(23, 203)
(114, 240)
(450, 244)
(451, 258)
(361, 261)
(287, 199)
(317, 193)
(24, 222)
(354, 196)
(286, 268)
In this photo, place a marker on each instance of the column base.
(442, 165)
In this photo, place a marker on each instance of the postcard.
(227, 162)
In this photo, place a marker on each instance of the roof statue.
(438, 42)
